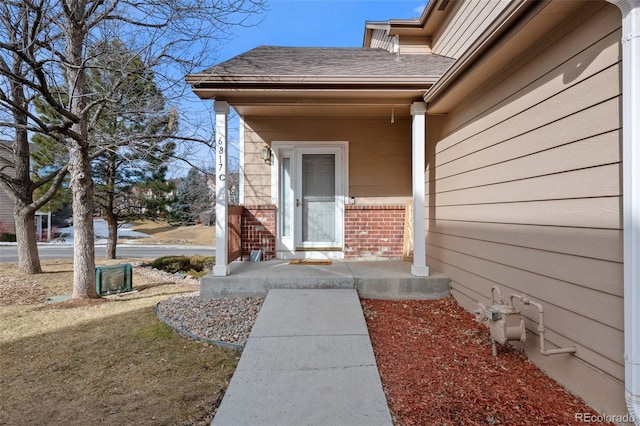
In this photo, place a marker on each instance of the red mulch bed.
(436, 367)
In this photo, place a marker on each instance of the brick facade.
(375, 231)
(259, 230)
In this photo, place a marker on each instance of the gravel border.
(185, 332)
(221, 322)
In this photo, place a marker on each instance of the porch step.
(385, 279)
(393, 280)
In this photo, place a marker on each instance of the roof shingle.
(324, 61)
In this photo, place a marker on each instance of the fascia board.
(205, 79)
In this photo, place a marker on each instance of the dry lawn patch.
(111, 362)
(163, 233)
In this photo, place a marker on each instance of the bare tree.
(18, 25)
(171, 37)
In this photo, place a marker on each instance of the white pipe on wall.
(631, 199)
(541, 329)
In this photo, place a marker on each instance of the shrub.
(199, 263)
(8, 237)
(171, 264)
(195, 265)
(5, 235)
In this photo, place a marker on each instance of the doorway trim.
(285, 246)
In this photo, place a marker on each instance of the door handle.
(297, 202)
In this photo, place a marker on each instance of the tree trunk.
(110, 194)
(84, 275)
(24, 210)
(112, 240)
(28, 259)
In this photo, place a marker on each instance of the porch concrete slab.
(307, 361)
(255, 279)
(378, 279)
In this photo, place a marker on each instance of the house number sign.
(221, 160)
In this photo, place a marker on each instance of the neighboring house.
(526, 111)
(42, 220)
(7, 223)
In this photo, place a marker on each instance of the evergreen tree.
(193, 197)
(136, 128)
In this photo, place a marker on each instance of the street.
(9, 253)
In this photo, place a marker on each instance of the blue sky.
(327, 23)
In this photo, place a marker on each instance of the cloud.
(418, 10)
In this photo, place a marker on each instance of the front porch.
(329, 155)
(381, 279)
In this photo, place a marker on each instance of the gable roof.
(312, 77)
(280, 67)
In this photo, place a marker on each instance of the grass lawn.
(105, 362)
(163, 233)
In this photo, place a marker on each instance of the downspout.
(631, 199)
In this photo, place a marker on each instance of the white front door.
(311, 201)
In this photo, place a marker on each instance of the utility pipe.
(631, 199)
(526, 301)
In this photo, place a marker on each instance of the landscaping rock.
(224, 320)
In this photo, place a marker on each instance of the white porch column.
(631, 199)
(418, 143)
(221, 267)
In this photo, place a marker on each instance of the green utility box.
(114, 279)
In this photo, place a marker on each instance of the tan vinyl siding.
(379, 154)
(257, 174)
(466, 22)
(414, 45)
(524, 192)
(6, 206)
(6, 212)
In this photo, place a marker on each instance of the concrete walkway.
(308, 361)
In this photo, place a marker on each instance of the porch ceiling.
(325, 111)
(316, 103)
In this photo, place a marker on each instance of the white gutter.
(631, 199)
(394, 80)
